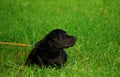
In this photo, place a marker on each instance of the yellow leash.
(17, 44)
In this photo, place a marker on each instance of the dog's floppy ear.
(52, 44)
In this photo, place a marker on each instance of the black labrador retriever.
(49, 51)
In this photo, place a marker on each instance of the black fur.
(49, 51)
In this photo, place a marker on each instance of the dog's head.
(58, 39)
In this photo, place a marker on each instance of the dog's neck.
(48, 49)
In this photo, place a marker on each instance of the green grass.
(96, 24)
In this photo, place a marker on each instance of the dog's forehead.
(58, 31)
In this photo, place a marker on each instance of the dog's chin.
(67, 46)
(70, 43)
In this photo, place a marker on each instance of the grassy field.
(95, 23)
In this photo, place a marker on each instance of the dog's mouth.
(68, 43)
